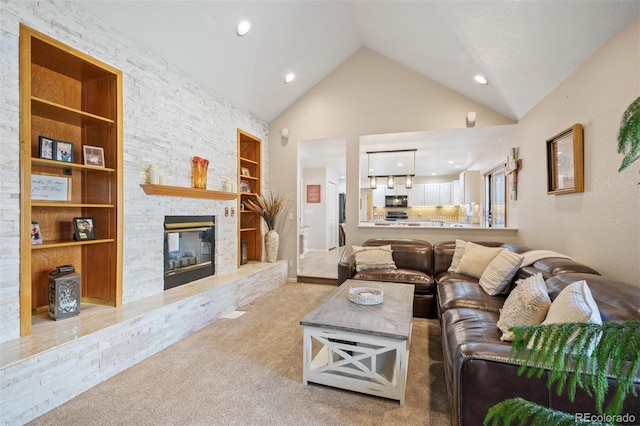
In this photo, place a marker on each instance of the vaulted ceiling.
(523, 48)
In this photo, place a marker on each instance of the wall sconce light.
(471, 119)
(285, 133)
(399, 163)
(373, 182)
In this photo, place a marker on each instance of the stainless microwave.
(396, 201)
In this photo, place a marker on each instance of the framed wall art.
(565, 162)
(313, 194)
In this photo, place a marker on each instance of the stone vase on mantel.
(271, 242)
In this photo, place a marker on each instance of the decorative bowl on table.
(366, 295)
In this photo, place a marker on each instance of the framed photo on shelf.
(36, 235)
(47, 146)
(565, 164)
(244, 171)
(63, 151)
(93, 155)
(244, 186)
(50, 188)
(84, 229)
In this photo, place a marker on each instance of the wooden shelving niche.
(68, 96)
(249, 175)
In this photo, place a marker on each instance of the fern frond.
(518, 411)
(629, 135)
(567, 352)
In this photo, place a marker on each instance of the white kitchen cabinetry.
(432, 194)
(445, 194)
(470, 187)
(455, 192)
(378, 196)
(416, 196)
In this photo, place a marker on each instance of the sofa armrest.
(346, 268)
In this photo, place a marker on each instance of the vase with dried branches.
(269, 206)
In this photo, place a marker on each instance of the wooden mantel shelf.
(179, 191)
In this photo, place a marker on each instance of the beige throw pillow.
(527, 304)
(373, 258)
(457, 255)
(476, 258)
(575, 303)
(497, 277)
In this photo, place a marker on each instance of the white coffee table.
(363, 348)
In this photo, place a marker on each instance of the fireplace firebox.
(189, 247)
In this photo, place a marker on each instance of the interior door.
(332, 215)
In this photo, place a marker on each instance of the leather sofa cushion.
(616, 300)
(424, 283)
(467, 294)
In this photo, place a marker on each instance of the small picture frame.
(93, 155)
(244, 171)
(36, 234)
(565, 164)
(84, 229)
(63, 151)
(244, 186)
(46, 147)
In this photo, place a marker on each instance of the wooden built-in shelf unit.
(250, 224)
(66, 95)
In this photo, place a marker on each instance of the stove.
(399, 215)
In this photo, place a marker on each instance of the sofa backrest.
(408, 253)
(616, 300)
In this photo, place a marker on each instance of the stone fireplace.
(189, 248)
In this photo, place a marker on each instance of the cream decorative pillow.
(497, 277)
(373, 258)
(476, 258)
(457, 254)
(527, 304)
(574, 304)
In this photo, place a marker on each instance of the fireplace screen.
(188, 249)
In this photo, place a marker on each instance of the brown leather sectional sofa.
(478, 372)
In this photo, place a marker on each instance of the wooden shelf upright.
(68, 96)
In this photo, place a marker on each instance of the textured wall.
(167, 120)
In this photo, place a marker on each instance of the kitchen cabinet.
(432, 194)
(470, 187)
(378, 196)
(416, 196)
(445, 194)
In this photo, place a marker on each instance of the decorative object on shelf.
(93, 155)
(244, 258)
(392, 164)
(64, 292)
(63, 151)
(244, 186)
(314, 193)
(46, 147)
(565, 165)
(366, 295)
(629, 135)
(269, 206)
(83, 229)
(153, 177)
(36, 235)
(244, 171)
(50, 188)
(513, 166)
(199, 168)
(228, 186)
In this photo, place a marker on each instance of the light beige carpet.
(248, 371)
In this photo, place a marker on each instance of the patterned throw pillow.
(527, 304)
(373, 258)
(457, 255)
(497, 277)
(476, 258)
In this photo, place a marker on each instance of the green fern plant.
(629, 135)
(616, 354)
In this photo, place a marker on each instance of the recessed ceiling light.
(400, 164)
(450, 161)
(289, 78)
(480, 79)
(433, 174)
(243, 28)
